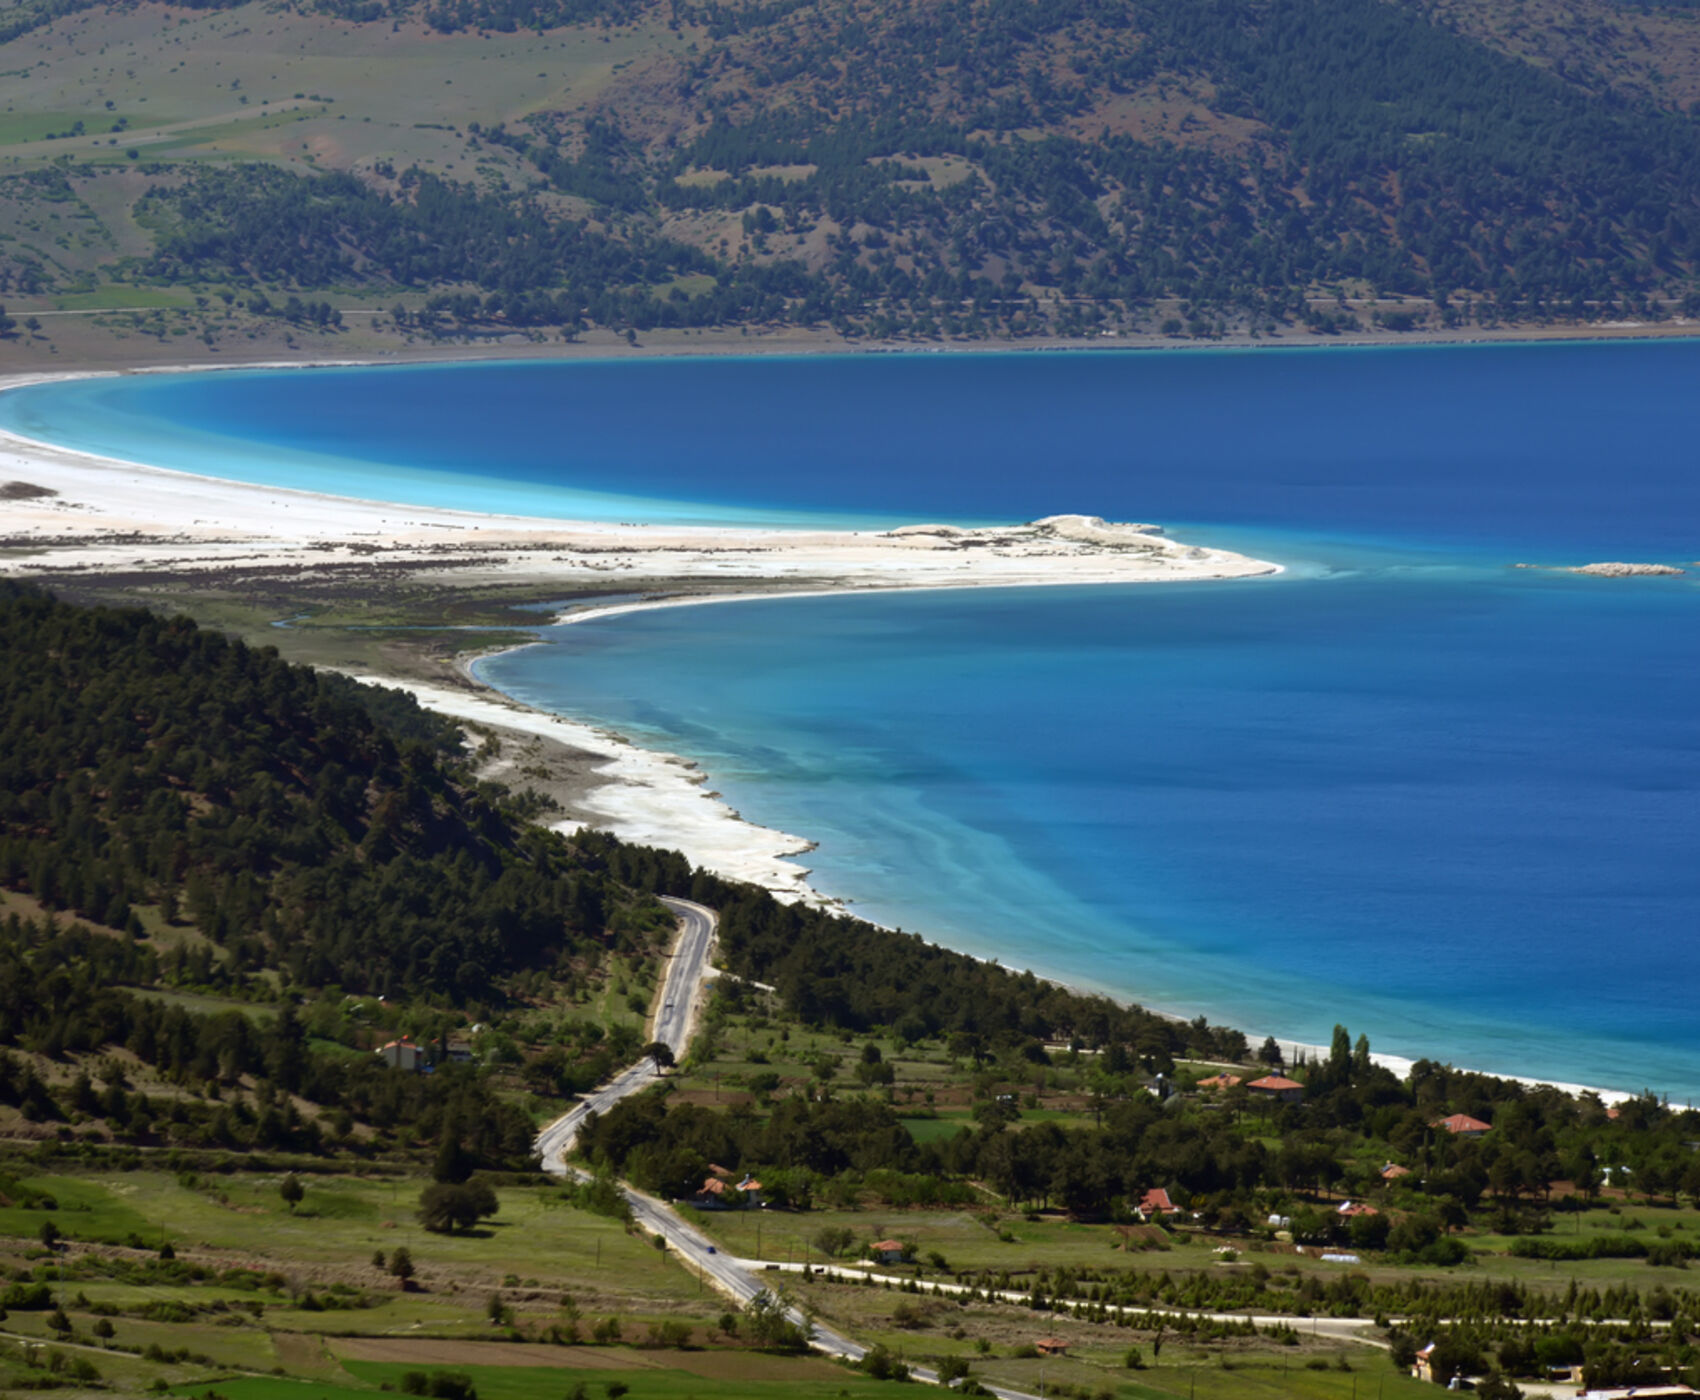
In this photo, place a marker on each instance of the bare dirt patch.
(300, 1351)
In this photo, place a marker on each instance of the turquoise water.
(1405, 785)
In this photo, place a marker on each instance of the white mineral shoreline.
(667, 792)
(110, 515)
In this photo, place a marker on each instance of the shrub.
(445, 1385)
(883, 1366)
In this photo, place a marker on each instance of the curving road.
(674, 1025)
(739, 1279)
(742, 1280)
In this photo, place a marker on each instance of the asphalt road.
(738, 1279)
(673, 1026)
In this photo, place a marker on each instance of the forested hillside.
(294, 819)
(226, 880)
(209, 858)
(893, 168)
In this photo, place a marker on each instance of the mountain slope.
(928, 167)
(149, 766)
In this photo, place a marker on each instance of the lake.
(1406, 785)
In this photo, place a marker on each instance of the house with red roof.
(1220, 1081)
(1422, 1368)
(1278, 1086)
(1156, 1202)
(713, 1195)
(1393, 1171)
(887, 1251)
(1462, 1125)
(718, 1193)
(1348, 1209)
(402, 1054)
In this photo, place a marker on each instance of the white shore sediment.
(67, 513)
(106, 514)
(64, 512)
(654, 799)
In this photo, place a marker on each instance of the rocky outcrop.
(1619, 570)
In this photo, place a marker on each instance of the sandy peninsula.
(65, 515)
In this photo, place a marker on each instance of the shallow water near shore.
(1317, 800)
(1406, 785)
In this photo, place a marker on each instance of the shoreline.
(799, 886)
(796, 884)
(643, 795)
(737, 342)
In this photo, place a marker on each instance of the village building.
(887, 1251)
(402, 1054)
(1278, 1086)
(1462, 1125)
(1348, 1209)
(1422, 1368)
(1156, 1202)
(1051, 1346)
(712, 1195)
(1393, 1171)
(1220, 1081)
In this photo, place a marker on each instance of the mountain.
(927, 168)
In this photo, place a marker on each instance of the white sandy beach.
(68, 513)
(112, 516)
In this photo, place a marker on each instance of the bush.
(673, 1335)
(444, 1385)
(883, 1366)
(601, 1195)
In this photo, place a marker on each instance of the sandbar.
(65, 513)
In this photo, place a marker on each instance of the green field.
(18, 127)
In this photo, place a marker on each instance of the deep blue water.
(1405, 786)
